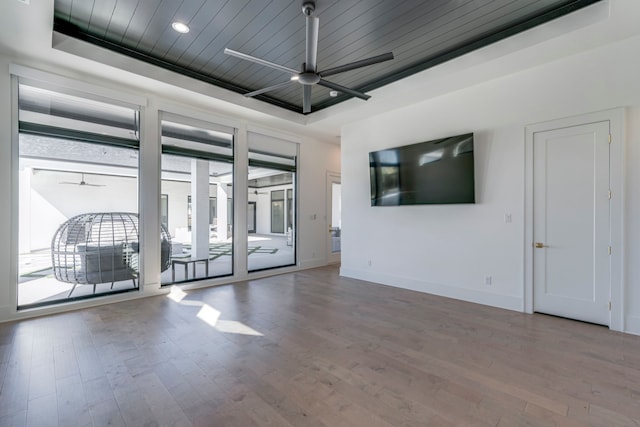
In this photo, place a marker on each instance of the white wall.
(177, 193)
(52, 203)
(449, 250)
(263, 207)
(314, 163)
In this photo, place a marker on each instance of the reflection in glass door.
(251, 217)
(336, 190)
(277, 211)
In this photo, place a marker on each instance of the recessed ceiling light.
(180, 27)
(333, 93)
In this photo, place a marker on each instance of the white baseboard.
(495, 300)
(313, 263)
(7, 313)
(632, 325)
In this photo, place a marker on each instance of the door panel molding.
(616, 118)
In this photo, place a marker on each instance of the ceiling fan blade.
(357, 64)
(313, 24)
(260, 61)
(306, 99)
(344, 89)
(267, 89)
(82, 184)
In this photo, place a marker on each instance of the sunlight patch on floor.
(235, 327)
(176, 294)
(211, 316)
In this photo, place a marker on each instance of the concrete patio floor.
(38, 285)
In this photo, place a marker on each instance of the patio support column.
(199, 209)
(221, 210)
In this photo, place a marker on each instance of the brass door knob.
(539, 245)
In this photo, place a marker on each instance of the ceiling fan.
(309, 75)
(82, 182)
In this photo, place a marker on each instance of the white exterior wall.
(178, 193)
(450, 249)
(263, 207)
(52, 203)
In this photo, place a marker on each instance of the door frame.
(615, 117)
(332, 257)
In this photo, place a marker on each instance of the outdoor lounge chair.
(94, 248)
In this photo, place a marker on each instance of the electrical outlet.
(488, 280)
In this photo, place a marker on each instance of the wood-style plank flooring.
(313, 349)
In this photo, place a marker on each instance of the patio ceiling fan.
(82, 182)
(309, 75)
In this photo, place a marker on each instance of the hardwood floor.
(313, 349)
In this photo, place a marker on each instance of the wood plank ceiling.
(420, 33)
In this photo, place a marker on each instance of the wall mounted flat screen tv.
(431, 172)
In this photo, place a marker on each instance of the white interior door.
(334, 217)
(571, 231)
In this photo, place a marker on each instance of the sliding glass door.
(272, 190)
(79, 230)
(78, 197)
(197, 177)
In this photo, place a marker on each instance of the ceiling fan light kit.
(309, 75)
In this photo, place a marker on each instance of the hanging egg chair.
(94, 248)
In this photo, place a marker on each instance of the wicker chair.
(103, 247)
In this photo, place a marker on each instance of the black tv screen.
(432, 172)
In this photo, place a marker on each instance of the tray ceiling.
(420, 33)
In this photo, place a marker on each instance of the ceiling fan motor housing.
(309, 75)
(308, 78)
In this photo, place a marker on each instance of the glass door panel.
(272, 197)
(197, 176)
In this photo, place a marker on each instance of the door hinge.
(609, 194)
(609, 305)
(609, 250)
(609, 138)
